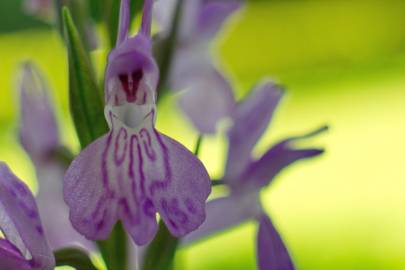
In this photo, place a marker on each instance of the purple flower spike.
(247, 176)
(192, 68)
(24, 246)
(271, 251)
(39, 137)
(38, 129)
(134, 171)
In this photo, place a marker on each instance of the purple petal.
(164, 12)
(130, 174)
(146, 18)
(125, 18)
(20, 222)
(50, 200)
(261, 172)
(208, 96)
(213, 14)
(132, 73)
(88, 194)
(180, 198)
(271, 251)
(11, 258)
(38, 129)
(207, 101)
(225, 213)
(251, 119)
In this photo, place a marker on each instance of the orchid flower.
(246, 176)
(39, 135)
(134, 171)
(24, 246)
(192, 67)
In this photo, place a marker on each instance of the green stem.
(165, 51)
(161, 252)
(198, 145)
(74, 257)
(216, 183)
(114, 249)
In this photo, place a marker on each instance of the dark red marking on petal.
(164, 183)
(130, 84)
(39, 229)
(190, 206)
(120, 140)
(147, 144)
(149, 208)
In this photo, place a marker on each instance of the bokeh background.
(342, 62)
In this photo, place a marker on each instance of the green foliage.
(114, 249)
(160, 253)
(75, 258)
(86, 101)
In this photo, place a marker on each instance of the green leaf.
(114, 249)
(161, 251)
(75, 258)
(80, 13)
(111, 10)
(86, 99)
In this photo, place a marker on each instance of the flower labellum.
(24, 246)
(135, 171)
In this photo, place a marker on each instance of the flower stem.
(198, 145)
(114, 249)
(161, 252)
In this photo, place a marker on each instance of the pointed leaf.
(86, 102)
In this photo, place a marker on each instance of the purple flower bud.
(38, 131)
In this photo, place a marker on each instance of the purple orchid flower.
(192, 68)
(39, 135)
(246, 176)
(134, 171)
(24, 246)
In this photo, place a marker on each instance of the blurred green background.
(343, 63)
